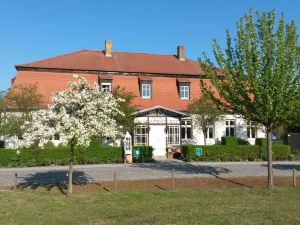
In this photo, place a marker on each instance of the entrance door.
(157, 139)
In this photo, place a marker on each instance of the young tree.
(16, 105)
(77, 114)
(261, 74)
(127, 107)
(205, 112)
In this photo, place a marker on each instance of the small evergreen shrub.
(146, 153)
(2, 144)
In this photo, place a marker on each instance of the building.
(163, 86)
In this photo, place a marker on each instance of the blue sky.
(32, 29)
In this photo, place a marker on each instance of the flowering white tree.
(77, 114)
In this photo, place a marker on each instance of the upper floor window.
(186, 129)
(230, 127)
(184, 90)
(251, 130)
(146, 89)
(106, 87)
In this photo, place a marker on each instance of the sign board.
(136, 153)
(198, 151)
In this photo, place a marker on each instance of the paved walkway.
(160, 169)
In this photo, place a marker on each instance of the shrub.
(231, 141)
(234, 153)
(2, 144)
(146, 153)
(60, 156)
(261, 141)
(277, 143)
(280, 152)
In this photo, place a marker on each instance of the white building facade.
(161, 127)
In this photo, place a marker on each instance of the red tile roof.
(92, 60)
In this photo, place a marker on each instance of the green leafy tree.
(127, 107)
(261, 73)
(205, 112)
(16, 106)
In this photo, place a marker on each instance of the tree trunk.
(269, 153)
(205, 135)
(70, 190)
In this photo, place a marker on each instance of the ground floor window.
(230, 127)
(186, 129)
(210, 132)
(141, 135)
(173, 135)
(251, 130)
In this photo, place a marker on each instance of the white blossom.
(77, 114)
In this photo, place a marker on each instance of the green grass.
(205, 206)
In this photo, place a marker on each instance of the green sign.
(198, 151)
(136, 153)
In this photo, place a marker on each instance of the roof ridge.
(50, 58)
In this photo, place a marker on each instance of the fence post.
(172, 178)
(115, 181)
(15, 181)
(294, 178)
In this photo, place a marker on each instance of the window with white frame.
(210, 132)
(186, 129)
(251, 130)
(230, 127)
(106, 87)
(173, 136)
(141, 135)
(146, 89)
(184, 91)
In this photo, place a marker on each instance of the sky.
(33, 29)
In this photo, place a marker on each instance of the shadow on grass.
(53, 179)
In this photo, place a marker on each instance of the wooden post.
(15, 181)
(294, 178)
(173, 182)
(115, 181)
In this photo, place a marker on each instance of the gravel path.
(160, 169)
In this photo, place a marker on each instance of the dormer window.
(105, 82)
(146, 89)
(106, 87)
(145, 83)
(184, 91)
(183, 86)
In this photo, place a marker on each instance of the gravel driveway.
(156, 170)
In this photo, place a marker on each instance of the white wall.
(220, 131)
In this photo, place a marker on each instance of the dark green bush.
(277, 142)
(230, 141)
(234, 153)
(233, 141)
(2, 144)
(60, 156)
(261, 141)
(280, 152)
(146, 153)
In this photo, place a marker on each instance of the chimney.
(108, 48)
(181, 53)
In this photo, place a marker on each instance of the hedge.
(234, 153)
(59, 156)
(145, 153)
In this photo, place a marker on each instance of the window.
(210, 132)
(251, 130)
(173, 135)
(186, 129)
(230, 127)
(146, 90)
(106, 87)
(184, 91)
(141, 135)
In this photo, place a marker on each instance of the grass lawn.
(201, 206)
